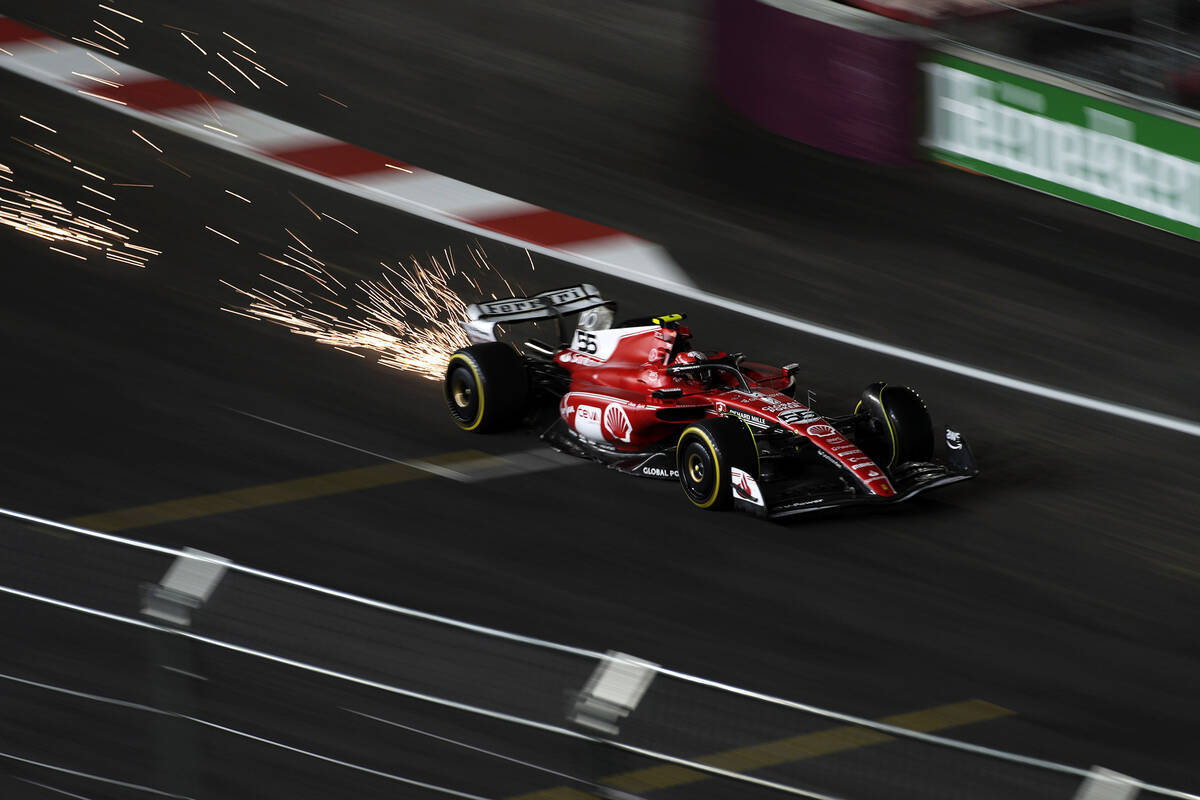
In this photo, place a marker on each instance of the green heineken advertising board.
(1078, 147)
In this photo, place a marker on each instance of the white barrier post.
(189, 582)
(1104, 784)
(186, 586)
(612, 692)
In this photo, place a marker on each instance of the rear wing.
(482, 318)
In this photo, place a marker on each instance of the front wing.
(776, 500)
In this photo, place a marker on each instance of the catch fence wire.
(1149, 48)
(313, 641)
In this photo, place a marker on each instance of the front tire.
(902, 428)
(486, 387)
(705, 456)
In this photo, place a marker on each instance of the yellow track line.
(330, 483)
(782, 751)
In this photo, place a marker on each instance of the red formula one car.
(640, 398)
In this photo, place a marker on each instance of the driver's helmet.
(700, 377)
(599, 318)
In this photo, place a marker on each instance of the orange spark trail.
(407, 317)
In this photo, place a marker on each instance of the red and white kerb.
(347, 167)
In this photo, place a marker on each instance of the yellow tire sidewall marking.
(478, 391)
(712, 451)
(887, 418)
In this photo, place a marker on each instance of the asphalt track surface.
(1060, 586)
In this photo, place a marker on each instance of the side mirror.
(790, 370)
(667, 394)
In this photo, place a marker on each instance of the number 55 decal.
(585, 341)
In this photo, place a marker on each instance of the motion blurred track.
(1061, 585)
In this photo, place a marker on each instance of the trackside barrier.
(861, 85)
(696, 727)
(820, 72)
(1081, 141)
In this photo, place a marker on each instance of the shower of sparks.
(239, 70)
(6, 52)
(223, 83)
(89, 172)
(102, 97)
(247, 58)
(218, 233)
(117, 42)
(105, 81)
(239, 41)
(97, 191)
(125, 260)
(101, 63)
(185, 30)
(220, 130)
(211, 110)
(36, 43)
(115, 11)
(51, 152)
(40, 125)
(397, 166)
(177, 169)
(46, 150)
(90, 43)
(407, 317)
(302, 254)
(193, 43)
(48, 219)
(238, 196)
(93, 208)
(110, 30)
(306, 205)
(332, 100)
(144, 139)
(269, 75)
(297, 238)
(339, 222)
(69, 253)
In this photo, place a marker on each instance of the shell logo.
(821, 430)
(617, 423)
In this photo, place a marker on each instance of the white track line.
(318, 436)
(233, 731)
(1186, 426)
(98, 778)
(472, 747)
(52, 789)
(485, 468)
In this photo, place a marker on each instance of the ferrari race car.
(639, 398)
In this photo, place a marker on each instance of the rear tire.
(486, 387)
(705, 455)
(903, 430)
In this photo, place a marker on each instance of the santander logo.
(617, 423)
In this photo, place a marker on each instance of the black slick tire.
(903, 429)
(707, 452)
(486, 387)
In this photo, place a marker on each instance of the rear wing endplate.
(482, 318)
